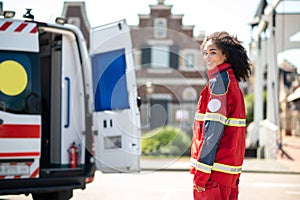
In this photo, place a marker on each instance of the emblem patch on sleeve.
(214, 105)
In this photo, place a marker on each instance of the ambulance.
(65, 111)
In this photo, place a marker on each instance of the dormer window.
(160, 28)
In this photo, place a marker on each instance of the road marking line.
(293, 192)
(280, 185)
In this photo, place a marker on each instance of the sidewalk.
(287, 161)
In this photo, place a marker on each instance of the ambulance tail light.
(9, 14)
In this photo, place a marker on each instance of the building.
(288, 81)
(294, 108)
(169, 66)
(75, 13)
(273, 32)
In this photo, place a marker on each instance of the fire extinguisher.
(73, 155)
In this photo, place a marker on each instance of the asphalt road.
(166, 185)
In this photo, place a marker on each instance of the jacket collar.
(218, 69)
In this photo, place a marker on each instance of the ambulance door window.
(19, 82)
(109, 80)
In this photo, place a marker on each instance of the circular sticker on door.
(214, 105)
(13, 78)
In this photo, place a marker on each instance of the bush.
(249, 103)
(166, 141)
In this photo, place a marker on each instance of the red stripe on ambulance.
(20, 131)
(5, 26)
(20, 27)
(35, 173)
(19, 154)
(34, 30)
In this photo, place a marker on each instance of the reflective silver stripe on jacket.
(199, 116)
(227, 168)
(236, 122)
(220, 118)
(216, 167)
(201, 166)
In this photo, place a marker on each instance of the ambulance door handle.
(67, 79)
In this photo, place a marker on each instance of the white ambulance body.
(116, 117)
(47, 104)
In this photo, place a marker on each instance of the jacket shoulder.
(219, 85)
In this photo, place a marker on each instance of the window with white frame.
(160, 28)
(160, 56)
(190, 60)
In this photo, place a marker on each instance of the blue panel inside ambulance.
(109, 80)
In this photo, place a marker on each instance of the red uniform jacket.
(218, 144)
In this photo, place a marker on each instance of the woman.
(218, 146)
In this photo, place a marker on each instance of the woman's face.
(212, 55)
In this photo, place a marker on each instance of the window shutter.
(174, 56)
(146, 56)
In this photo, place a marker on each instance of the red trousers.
(216, 191)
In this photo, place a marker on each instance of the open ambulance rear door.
(45, 108)
(116, 116)
(20, 112)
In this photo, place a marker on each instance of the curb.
(243, 171)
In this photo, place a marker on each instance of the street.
(167, 185)
(269, 186)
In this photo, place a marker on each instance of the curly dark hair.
(235, 53)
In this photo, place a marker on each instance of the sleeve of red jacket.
(214, 122)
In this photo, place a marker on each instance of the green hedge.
(249, 102)
(166, 141)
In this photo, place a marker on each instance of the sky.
(232, 16)
(206, 15)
